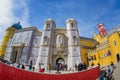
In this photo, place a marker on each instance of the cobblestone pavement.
(116, 73)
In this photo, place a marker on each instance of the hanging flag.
(102, 30)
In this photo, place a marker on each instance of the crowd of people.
(107, 73)
(80, 67)
(17, 65)
(59, 66)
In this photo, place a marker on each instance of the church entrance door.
(60, 61)
(14, 55)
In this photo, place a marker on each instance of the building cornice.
(27, 29)
(85, 38)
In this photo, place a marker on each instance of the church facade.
(51, 46)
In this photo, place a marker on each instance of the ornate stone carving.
(60, 43)
(46, 39)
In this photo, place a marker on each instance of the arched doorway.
(60, 61)
(14, 55)
(118, 57)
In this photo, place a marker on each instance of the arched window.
(114, 42)
(44, 50)
(88, 59)
(60, 39)
(47, 26)
(36, 41)
(72, 25)
(91, 57)
(94, 57)
(46, 39)
(108, 53)
(74, 39)
(75, 50)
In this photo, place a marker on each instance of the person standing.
(84, 66)
(33, 68)
(76, 67)
(80, 67)
(22, 66)
(30, 66)
(98, 65)
(57, 66)
(112, 66)
(102, 76)
(41, 70)
(62, 66)
(18, 65)
(66, 67)
(39, 65)
(57, 71)
(108, 70)
(49, 68)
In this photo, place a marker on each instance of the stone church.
(51, 46)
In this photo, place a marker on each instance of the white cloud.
(23, 8)
(8, 14)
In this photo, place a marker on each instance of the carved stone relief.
(45, 40)
(60, 43)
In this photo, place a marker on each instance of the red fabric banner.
(11, 73)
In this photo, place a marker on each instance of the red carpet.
(11, 73)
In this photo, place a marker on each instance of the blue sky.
(87, 13)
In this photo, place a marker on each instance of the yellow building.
(86, 45)
(107, 49)
(8, 35)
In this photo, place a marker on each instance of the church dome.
(17, 25)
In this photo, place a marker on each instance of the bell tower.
(74, 56)
(46, 44)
